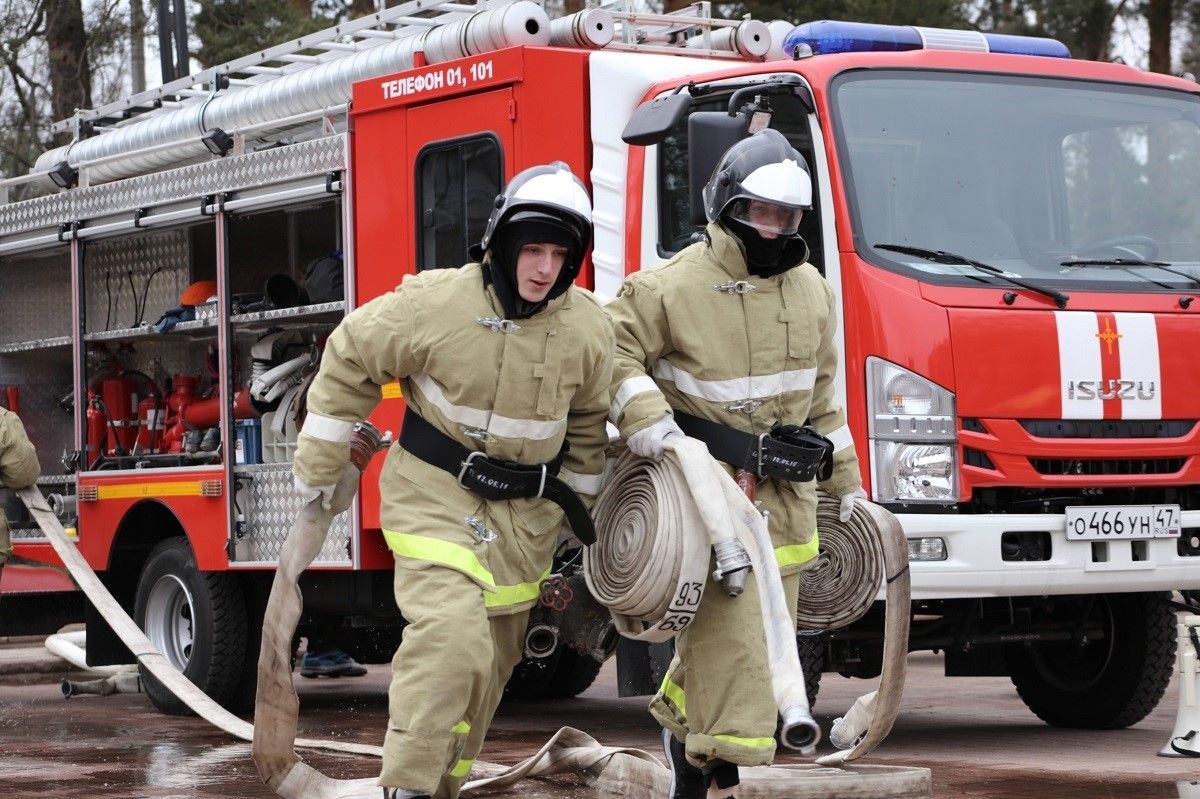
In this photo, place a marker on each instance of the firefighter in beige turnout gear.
(505, 359)
(732, 336)
(19, 468)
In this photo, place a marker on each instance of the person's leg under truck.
(444, 667)
(508, 638)
(5, 542)
(717, 695)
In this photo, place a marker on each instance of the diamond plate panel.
(112, 263)
(35, 297)
(270, 505)
(42, 377)
(223, 174)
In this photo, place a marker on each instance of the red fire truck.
(1013, 235)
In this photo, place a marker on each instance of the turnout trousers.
(447, 678)
(717, 697)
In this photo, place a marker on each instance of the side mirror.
(652, 121)
(710, 134)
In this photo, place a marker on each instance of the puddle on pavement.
(1024, 786)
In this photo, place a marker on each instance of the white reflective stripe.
(1140, 364)
(583, 483)
(1078, 359)
(738, 388)
(327, 428)
(841, 438)
(630, 387)
(504, 426)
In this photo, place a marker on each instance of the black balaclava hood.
(767, 257)
(502, 262)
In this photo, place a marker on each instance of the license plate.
(1108, 522)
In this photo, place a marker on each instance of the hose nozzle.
(800, 732)
(733, 564)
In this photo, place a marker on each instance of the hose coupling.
(800, 732)
(541, 640)
(733, 564)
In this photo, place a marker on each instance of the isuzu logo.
(1111, 389)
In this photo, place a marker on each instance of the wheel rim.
(1069, 667)
(168, 622)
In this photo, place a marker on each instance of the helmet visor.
(766, 217)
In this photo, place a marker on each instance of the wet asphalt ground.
(973, 733)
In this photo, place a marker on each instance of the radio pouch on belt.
(788, 452)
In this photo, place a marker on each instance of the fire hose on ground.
(648, 555)
(630, 772)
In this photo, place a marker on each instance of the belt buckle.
(758, 467)
(466, 465)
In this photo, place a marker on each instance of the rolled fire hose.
(856, 557)
(656, 523)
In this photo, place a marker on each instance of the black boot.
(687, 781)
(724, 779)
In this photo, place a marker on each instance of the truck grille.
(1106, 466)
(1108, 428)
(1053, 500)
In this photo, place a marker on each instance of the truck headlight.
(914, 443)
(914, 472)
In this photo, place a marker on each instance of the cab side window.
(675, 230)
(457, 184)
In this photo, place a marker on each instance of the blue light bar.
(860, 37)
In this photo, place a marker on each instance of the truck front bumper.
(975, 568)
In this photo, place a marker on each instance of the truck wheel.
(196, 619)
(574, 675)
(811, 648)
(530, 679)
(1110, 683)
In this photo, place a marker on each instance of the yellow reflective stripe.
(673, 692)
(794, 554)
(434, 550)
(391, 390)
(749, 743)
(507, 595)
(178, 488)
(462, 768)
(461, 728)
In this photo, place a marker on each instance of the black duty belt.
(787, 452)
(491, 478)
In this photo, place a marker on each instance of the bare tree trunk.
(1159, 16)
(137, 46)
(70, 73)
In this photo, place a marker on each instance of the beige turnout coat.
(515, 395)
(19, 468)
(702, 335)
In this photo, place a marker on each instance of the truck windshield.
(1073, 184)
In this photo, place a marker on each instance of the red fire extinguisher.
(121, 407)
(152, 417)
(97, 428)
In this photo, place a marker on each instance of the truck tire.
(561, 675)
(811, 649)
(574, 675)
(196, 619)
(1110, 683)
